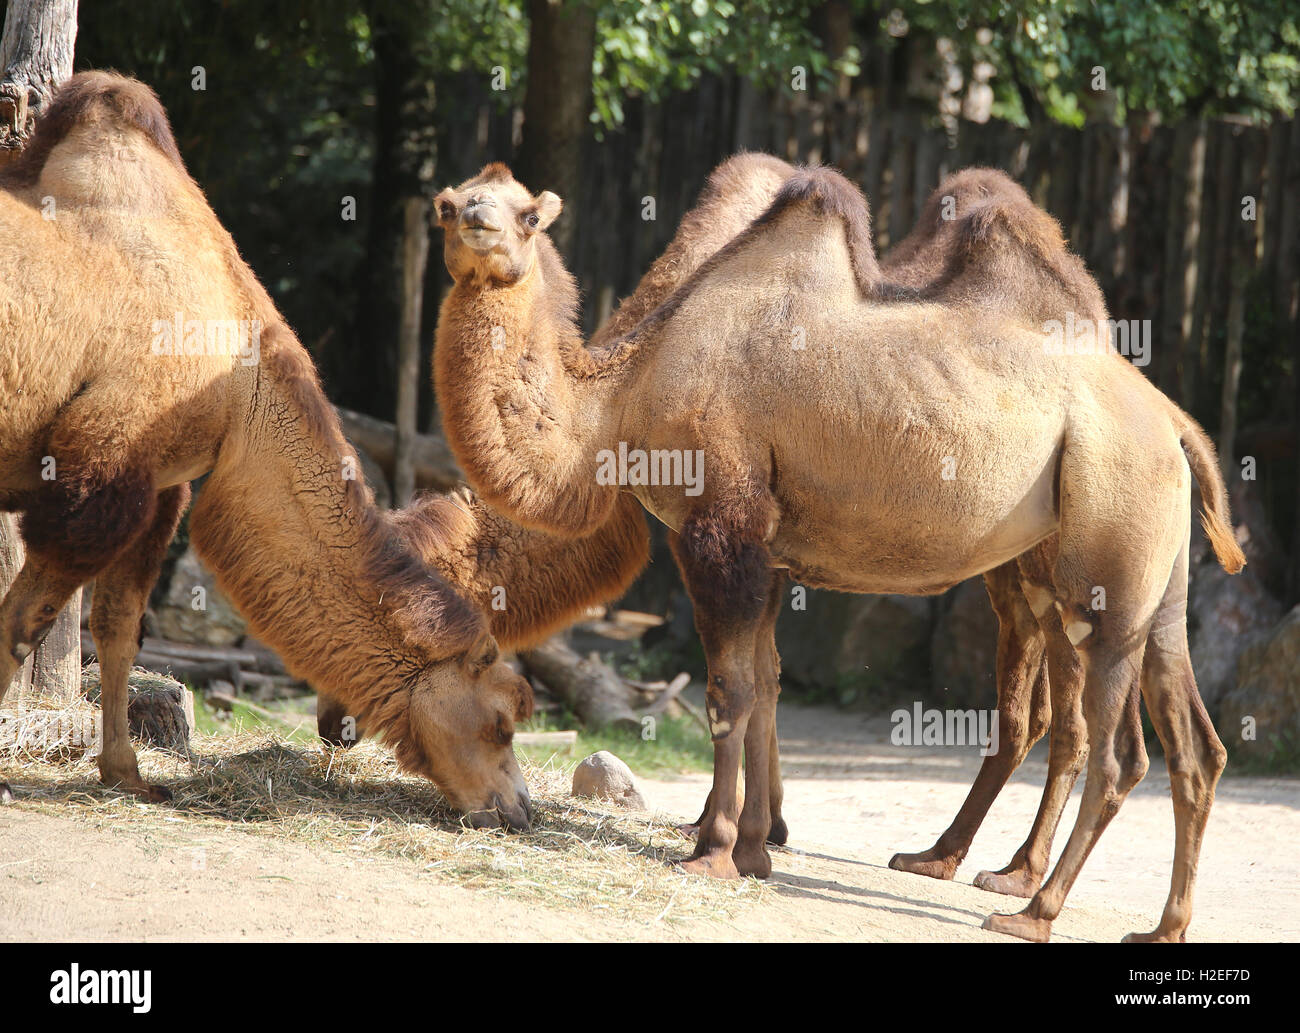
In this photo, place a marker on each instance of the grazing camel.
(861, 440)
(140, 352)
(529, 584)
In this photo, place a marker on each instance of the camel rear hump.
(91, 98)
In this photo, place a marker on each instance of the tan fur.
(860, 443)
(295, 542)
(547, 582)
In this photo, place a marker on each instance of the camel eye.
(502, 734)
(447, 210)
(531, 220)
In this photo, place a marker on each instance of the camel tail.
(1215, 517)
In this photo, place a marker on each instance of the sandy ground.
(852, 800)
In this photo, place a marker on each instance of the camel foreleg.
(728, 577)
(121, 594)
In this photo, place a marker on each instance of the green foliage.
(679, 745)
(652, 48)
(1166, 56)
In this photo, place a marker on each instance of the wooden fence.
(1194, 226)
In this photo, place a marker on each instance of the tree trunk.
(1243, 252)
(36, 54)
(415, 259)
(557, 105)
(363, 374)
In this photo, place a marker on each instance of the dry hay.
(579, 854)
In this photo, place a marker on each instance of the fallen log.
(589, 687)
(435, 467)
(551, 740)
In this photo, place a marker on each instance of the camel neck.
(288, 526)
(526, 408)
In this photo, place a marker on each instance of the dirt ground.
(852, 800)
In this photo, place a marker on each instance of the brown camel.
(859, 440)
(140, 352)
(1039, 278)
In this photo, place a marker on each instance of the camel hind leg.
(1069, 734)
(1111, 573)
(121, 594)
(1022, 717)
(1193, 752)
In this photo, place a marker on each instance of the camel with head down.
(139, 352)
(860, 436)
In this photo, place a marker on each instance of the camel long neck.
(292, 534)
(526, 408)
(528, 583)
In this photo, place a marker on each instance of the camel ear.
(548, 207)
(444, 206)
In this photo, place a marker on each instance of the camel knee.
(729, 700)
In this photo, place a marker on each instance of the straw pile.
(579, 854)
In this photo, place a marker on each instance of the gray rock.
(215, 623)
(1226, 614)
(1267, 695)
(602, 776)
(964, 649)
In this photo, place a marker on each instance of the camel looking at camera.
(860, 439)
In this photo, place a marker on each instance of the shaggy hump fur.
(83, 100)
(545, 582)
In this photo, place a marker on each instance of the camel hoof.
(714, 867)
(1155, 937)
(924, 864)
(6, 794)
(146, 791)
(758, 864)
(1014, 884)
(1036, 930)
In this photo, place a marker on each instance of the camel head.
(462, 724)
(491, 224)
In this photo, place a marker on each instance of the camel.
(855, 438)
(1044, 284)
(140, 352)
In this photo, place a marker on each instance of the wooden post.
(36, 55)
(1243, 251)
(415, 259)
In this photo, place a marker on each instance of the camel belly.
(895, 534)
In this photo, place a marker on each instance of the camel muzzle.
(480, 225)
(516, 817)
